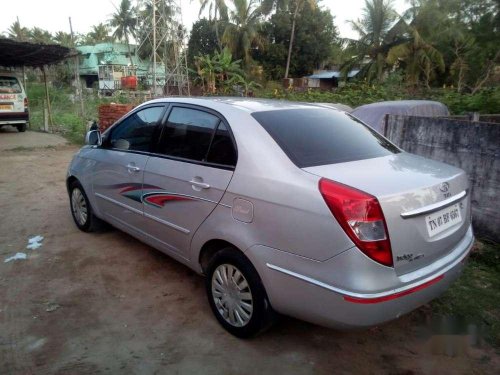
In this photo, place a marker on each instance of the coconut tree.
(376, 37)
(39, 35)
(124, 22)
(242, 32)
(419, 57)
(17, 32)
(98, 34)
(217, 10)
(64, 39)
(297, 6)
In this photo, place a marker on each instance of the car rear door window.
(188, 133)
(222, 149)
(135, 132)
(320, 136)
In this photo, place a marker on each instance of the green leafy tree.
(316, 38)
(64, 39)
(375, 39)
(202, 40)
(98, 34)
(39, 35)
(124, 22)
(217, 11)
(17, 32)
(297, 6)
(420, 58)
(241, 34)
(216, 71)
(468, 38)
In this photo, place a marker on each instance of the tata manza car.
(284, 207)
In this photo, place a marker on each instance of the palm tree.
(298, 5)
(242, 33)
(219, 9)
(420, 58)
(64, 39)
(124, 22)
(39, 35)
(17, 32)
(98, 34)
(376, 39)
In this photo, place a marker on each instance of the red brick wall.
(110, 113)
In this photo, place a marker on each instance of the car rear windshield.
(9, 85)
(320, 136)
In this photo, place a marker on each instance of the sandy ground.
(11, 139)
(107, 304)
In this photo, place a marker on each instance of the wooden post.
(47, 97)
(25, 89)
(79, 89)
(45, 117)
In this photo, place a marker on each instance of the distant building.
(327, 79)
(107, 63)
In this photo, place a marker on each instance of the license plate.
(441, 220)
(6, 107)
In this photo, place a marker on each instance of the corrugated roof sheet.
(329, 74)
(15, 53)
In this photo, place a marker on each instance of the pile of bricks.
(110, 113)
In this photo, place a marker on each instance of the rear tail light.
(25, 103)
(361, 217)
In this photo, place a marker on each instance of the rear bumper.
(13, 118)
(339, 292)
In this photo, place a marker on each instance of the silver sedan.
(285, 208)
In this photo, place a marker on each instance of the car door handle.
(199, 184)
(133, 168)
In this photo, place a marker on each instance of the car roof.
(249, 105)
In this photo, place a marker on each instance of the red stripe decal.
(395, 295)
(130, 188)
(161, 199)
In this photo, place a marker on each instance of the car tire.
(81, 210)
(21, 128)
(239, 302)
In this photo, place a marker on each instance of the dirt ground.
(11, 139)
(106, 303)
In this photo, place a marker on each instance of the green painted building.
(106, 63)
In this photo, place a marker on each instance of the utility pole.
(78, 88)
(154, 48)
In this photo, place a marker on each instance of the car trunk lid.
(425, 203)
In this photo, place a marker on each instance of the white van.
(13, 102)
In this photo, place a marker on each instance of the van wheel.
(21, 128)
(81, 210)
(236, 294)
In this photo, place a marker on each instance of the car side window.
(188, 133)
(136, 131)
(222, 148)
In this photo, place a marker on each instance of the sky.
(52, 15)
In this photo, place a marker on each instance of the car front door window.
(188, 133)
(136, 131)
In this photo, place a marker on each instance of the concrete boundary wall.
(472, 146)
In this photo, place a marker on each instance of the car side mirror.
(93, 138)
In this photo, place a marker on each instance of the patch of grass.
(66, 111)
(476, 294)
